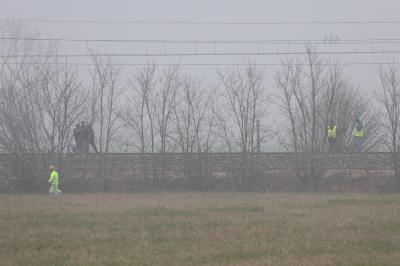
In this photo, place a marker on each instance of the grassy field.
(200, 229)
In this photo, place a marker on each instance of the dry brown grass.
(200, 229)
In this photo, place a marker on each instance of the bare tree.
(163, 104)
(39, 101)
(138, 115)
(105, 95)
(192, 113)
(193, 127)
(106, 92)
(349, 103)
(245, 103)
(311, 93)
(61, 100)
(389, 99)
(18, 78)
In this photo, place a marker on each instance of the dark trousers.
(358, 141)
(332, 144)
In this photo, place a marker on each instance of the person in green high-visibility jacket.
(358, 134)
(53, 180)
(332, 136)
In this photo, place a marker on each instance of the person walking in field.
(332, 136)
(53, 180)
(358, 135)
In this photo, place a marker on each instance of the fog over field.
(199, 132)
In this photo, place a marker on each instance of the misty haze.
(199, 132)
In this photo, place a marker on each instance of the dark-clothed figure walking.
(78, 138)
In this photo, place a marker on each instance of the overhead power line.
(202, 54)
(271, 41)
(193, 22)
(202, 64)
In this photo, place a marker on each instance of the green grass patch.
(351, 201)
(389, 226)
(236, 209)
(160, 212)
(377, 246)
(234, 256)
(198, 229)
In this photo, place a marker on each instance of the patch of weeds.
(258, 222)
(163, 226)
(344, 201)
(236, 209)
(358, 228)
(232, 256)
(315, 251)
(124, 260)
(335, 202)
(8, 246)
(59, 259)
(297, 214)
(382, 246)
(391, 226)
(75, 220)
(374, 226)
(347, 201)
(161, 212)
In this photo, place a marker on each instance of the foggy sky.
(209, 10)
(363, 76)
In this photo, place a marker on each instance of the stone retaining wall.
(127, 172)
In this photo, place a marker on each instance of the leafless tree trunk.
(163, 103)
(389, 99)
(105, 96)
(138, 115)
(163, 106)
(193, 125)
(191, 112)
(245, 103)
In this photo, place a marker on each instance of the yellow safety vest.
(358, 133)
(332, 132)
(53, 177)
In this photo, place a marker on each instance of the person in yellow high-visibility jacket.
(332, 136)
(53, 180)
(358, 135)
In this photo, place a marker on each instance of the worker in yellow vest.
(332, 136)
(53, 180)
(358, 134)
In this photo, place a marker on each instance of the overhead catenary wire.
(196, 22)
(261, 41)
(200, 64)
(283, 63)
(204, 54)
